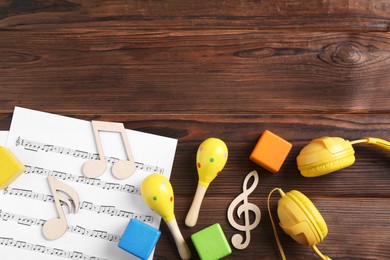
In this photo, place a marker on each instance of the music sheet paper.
(58, 146)
(3, 138)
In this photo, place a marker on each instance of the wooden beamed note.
(121, 169)
(54, 228)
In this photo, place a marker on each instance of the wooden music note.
(56, 227)
(121, 169)
(245, 207)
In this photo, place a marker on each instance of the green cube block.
(211, 243)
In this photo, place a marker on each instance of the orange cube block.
(270, 151)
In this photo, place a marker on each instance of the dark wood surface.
(228, 69)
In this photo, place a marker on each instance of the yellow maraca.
(210, 159)
(157, 192)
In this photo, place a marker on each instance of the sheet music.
(3, 138)
(58, 146)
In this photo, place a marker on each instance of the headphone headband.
(377, 142)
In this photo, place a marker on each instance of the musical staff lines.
(84, 205)
(22, 220)
(42, 147)
(82, 179)
(10, 242)
(29, 221)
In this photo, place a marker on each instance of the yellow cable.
(323, 257)
(273, 224)
(359, 141)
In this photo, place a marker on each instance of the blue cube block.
(139, 239)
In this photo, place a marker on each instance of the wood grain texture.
(229, 69)
(355, 15)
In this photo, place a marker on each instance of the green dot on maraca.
(154, 198)
(211, 159)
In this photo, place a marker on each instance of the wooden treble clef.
(244, 208)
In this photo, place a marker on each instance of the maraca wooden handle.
(181, 244)
(193, 213)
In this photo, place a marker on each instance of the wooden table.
(228, 69)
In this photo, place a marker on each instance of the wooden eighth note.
(245, 207)
(121, 169)
(54, 228)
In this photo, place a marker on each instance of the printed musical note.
(81, 179)
(84, 205)
(26, 144)
(10, 242)
(121, 169)
(244, 208)
(56, 227)
(29, 221)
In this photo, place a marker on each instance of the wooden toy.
(157, 192)
(56, 227)
(270, 151)
(245, 208)
(211, 157)
(121, 169)
(211, 243)
(139, 239)
(10, 167)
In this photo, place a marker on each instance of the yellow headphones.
(328, 154)
(298, 216)
(300, 219)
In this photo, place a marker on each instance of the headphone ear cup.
(300, 219)
(313, 211)
(325, 155)
(325, 167)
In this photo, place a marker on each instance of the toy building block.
(139, 239)
(270, 151)
(211, 243)
(10, 167)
